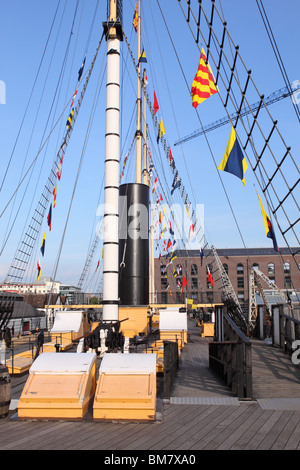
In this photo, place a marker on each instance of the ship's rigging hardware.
(210, 28)
(229, 297)
(272, 98)
(258, 276)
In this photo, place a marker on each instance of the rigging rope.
(17, 272)
(277, 54)
(204, 133)
(75, 185)
(30, 96)
(59, 83)
(258, 155)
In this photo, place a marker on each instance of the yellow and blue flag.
(161, 130)
(143, 57)
(43, 244)
(70, 119)
(234, 161)
(268, 225)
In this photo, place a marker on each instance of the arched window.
(194, 270)
(286, 268)
(271, 268)
(240, 269)
(225, 266)
(255, 266)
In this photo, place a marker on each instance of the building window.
(164, 297)
(286, 268)
(194, 283)
(194, 270)
(287, 282)
(163, 269)
(178, 270)
(240, 282)
(255, 266)
(240, 269)
(164, 283)
(241, 296)
(225, 266)
(271, 268)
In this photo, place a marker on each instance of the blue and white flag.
(176, 183)
(80, 71)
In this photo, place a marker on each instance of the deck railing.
(282, 327)
(285, 329)
(230, 356)
(171, 364)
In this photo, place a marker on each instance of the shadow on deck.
(195, 379)
(273, 373)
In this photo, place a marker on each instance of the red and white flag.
(210, 277)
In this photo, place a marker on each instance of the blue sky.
(23, 33)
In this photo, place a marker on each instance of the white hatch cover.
(63, 363)
(128, 364)
(67, 321)
(172, 321)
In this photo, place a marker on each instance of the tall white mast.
(139, 107)
(112, 159)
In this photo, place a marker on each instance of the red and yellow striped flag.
(135, 20)
(203, 85)
(54, 194)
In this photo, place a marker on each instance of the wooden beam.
(83, 307)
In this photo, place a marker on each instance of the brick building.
(281, 268)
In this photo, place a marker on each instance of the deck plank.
(286, 432)
(294, 439)
(273, 373)
(178, 417)
(238, 439)
(275, 432)
(264, 428)
(194, 433)
(236, 420)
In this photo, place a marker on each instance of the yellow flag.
(161, 130)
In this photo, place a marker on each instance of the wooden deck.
(201, 414)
